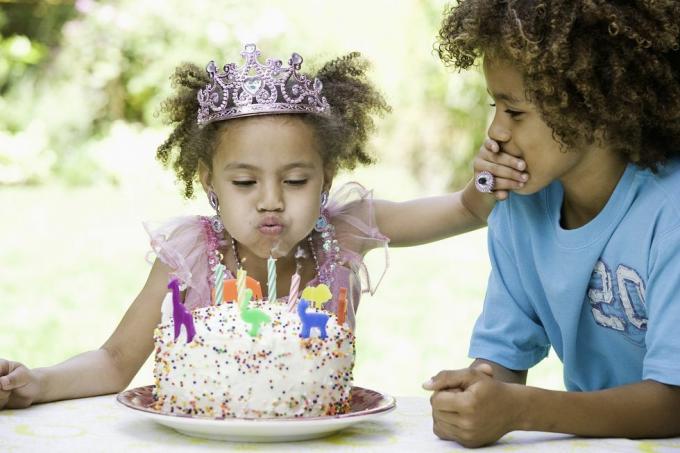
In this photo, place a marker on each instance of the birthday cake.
(252, 359)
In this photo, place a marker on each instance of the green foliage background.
(69, 71)
(80, 83)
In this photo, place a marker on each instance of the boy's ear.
(204, 175)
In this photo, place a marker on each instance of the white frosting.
(225, 372)
(166, 309)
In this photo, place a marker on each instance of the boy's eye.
(513, 113)
(243, 183)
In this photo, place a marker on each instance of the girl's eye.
(296, 182)
(243, 183)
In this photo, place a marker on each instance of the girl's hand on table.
(19, 386)
(471, 407)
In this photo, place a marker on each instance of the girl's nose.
(270, 199)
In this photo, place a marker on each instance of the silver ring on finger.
(484, 182)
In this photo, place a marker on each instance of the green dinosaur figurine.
(255, 317)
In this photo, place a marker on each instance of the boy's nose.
(498, 132)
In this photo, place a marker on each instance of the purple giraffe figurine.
(180, 315)
(310, 320)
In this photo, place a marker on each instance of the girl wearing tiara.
(265, 141)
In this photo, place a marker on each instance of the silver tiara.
(259, 89)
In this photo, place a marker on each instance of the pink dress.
(188, 244)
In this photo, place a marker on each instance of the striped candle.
(240, 285)
(219, 283)
(294, 288)
(271, 278)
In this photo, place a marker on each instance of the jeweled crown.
(259, 89)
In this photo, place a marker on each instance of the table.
(100, 424)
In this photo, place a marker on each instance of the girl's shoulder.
(187, 245)
(174, 225)
(181, 233)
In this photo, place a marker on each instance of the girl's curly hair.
(342, 137)
(589, 65)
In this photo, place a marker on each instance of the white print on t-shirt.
(618, 304)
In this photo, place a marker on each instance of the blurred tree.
(451, 116)
(101, 63)
(27, 30)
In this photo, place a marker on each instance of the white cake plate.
(365, 405)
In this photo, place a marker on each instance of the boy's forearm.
(644, 409)
(88, 374)
(478, 204)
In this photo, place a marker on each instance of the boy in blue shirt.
(586, 256)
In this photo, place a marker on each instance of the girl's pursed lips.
(270, 230)
(270, 221)
(270, 225)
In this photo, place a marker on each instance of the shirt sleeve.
(508, 331)
(662, 359)
(352, 212)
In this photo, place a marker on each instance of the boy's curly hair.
(588, 65)
(342, 136)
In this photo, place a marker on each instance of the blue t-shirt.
(605, 296)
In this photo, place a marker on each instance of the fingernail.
(521, 184)
(428, 385)
(525, 176)
(521, 165)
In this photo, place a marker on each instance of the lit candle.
(219, 283)
(271, 278)
(240, 285)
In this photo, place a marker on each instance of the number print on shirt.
(618, 302)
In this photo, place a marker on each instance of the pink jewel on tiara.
(259, 89)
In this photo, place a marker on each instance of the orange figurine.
(230, 289)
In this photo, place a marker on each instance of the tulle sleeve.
(351, 211)
(183, 244)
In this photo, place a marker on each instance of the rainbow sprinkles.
(254, 358)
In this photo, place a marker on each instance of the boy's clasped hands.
(471, 407)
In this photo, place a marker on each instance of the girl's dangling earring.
(216, 220)
(322, 222)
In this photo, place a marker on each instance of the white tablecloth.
(101, 425)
